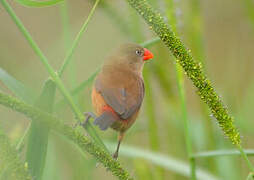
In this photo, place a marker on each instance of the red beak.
(147, 55)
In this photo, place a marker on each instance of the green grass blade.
(17, 87)
(230, 152)
(164, 161)
(180, 84)
(39, 132)
(51, 170)
(31, 3)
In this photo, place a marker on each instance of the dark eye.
(139, 52)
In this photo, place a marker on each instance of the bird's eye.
(139, 53)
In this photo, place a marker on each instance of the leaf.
(31, 3)
(38, 135)
(17, 87)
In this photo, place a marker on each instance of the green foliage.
(43, 120)
(73, 134)
(11, 167)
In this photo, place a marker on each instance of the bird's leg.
(120, 137)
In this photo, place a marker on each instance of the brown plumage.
(119, 90)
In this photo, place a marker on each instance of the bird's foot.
(88, 115)
(115, 155)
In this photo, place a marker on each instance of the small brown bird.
(119, 89)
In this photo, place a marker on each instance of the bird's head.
(131, 56)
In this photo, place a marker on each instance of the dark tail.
(105, 120)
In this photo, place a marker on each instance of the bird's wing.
(123, 94)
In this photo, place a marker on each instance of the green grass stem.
(187, 133)
(77, 39)
(180, 84)
(230, 152)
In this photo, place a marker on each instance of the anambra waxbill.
(119, 89)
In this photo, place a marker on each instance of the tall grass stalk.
(180, 84)
(90, 129)
(193, 70)
(187, 131)
(67, 43)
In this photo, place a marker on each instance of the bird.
(118, 90)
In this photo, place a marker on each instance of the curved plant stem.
(192, 69)
(20, 143)
(75, 43)
(73, 134)
(90, 129)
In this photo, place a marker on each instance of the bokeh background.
(220, 34)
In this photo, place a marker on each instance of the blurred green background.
(220, 35)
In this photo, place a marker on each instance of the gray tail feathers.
(105, 120)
